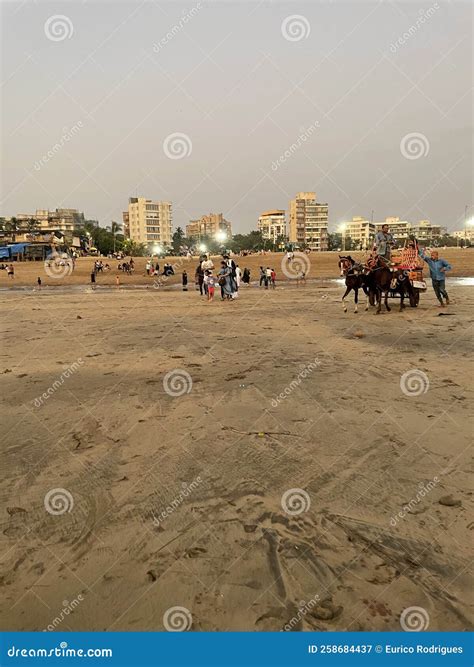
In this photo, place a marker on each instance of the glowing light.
(202, 247)
(221, 235)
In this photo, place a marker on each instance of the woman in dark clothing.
(199, 277)
(246, 276)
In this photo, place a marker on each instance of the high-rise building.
(208, 225)
(308, 221)
(149, 221)
(399, 229)
(272, 224)
(360, 231)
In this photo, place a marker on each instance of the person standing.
(438, 268)
(262, 276)
(185, 281)
(226, 281)
(210, 282)
(199, 278)
(238, 275)
(383, 244)
(39, 282)
(273, 278)
(246, 277)
(148, 267)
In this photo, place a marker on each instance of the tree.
(32, 225)
(13, 226)
(134, 249)
(334, 241)
(178, 240)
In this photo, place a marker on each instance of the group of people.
(228, 277)
(267, 277)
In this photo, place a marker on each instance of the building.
(149, 222)
(400, 229)
(62, 219)
(208, 225)
(425, 231)
(467, 234)
(272, 225)
(308, 222)
(126, 224)
(360, 231)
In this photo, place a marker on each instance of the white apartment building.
(149, 221)
(272, 224)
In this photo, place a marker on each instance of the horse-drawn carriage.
(407, 259)
(401, 278)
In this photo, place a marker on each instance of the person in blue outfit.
(438, 268)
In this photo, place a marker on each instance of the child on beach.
(39, 282)
(117, 281)
(210, 281)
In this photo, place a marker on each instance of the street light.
(342, 229)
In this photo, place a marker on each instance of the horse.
(381, 280)
(355, 280)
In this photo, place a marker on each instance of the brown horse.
(381, 280)
(355, 280)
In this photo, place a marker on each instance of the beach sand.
(266, 495)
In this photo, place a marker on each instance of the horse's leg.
(387, 307)
(348, 289)
(356, 298)
(402, 297)
(379, 300)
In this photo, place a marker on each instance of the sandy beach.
(265, 464)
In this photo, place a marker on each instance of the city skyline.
(373, 114)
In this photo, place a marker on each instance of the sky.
(235, 107)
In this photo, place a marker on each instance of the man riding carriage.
(379, 275)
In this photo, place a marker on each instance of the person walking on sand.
(273, 278)
(226, 281)
(262, 276)
(10, 271)
(438, 268)
(199, 278)
(246, 277)
(184, 281)
(117, 281)
(238, 275)
(38, 282)
(210, 281)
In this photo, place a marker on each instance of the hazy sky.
(241, 81)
